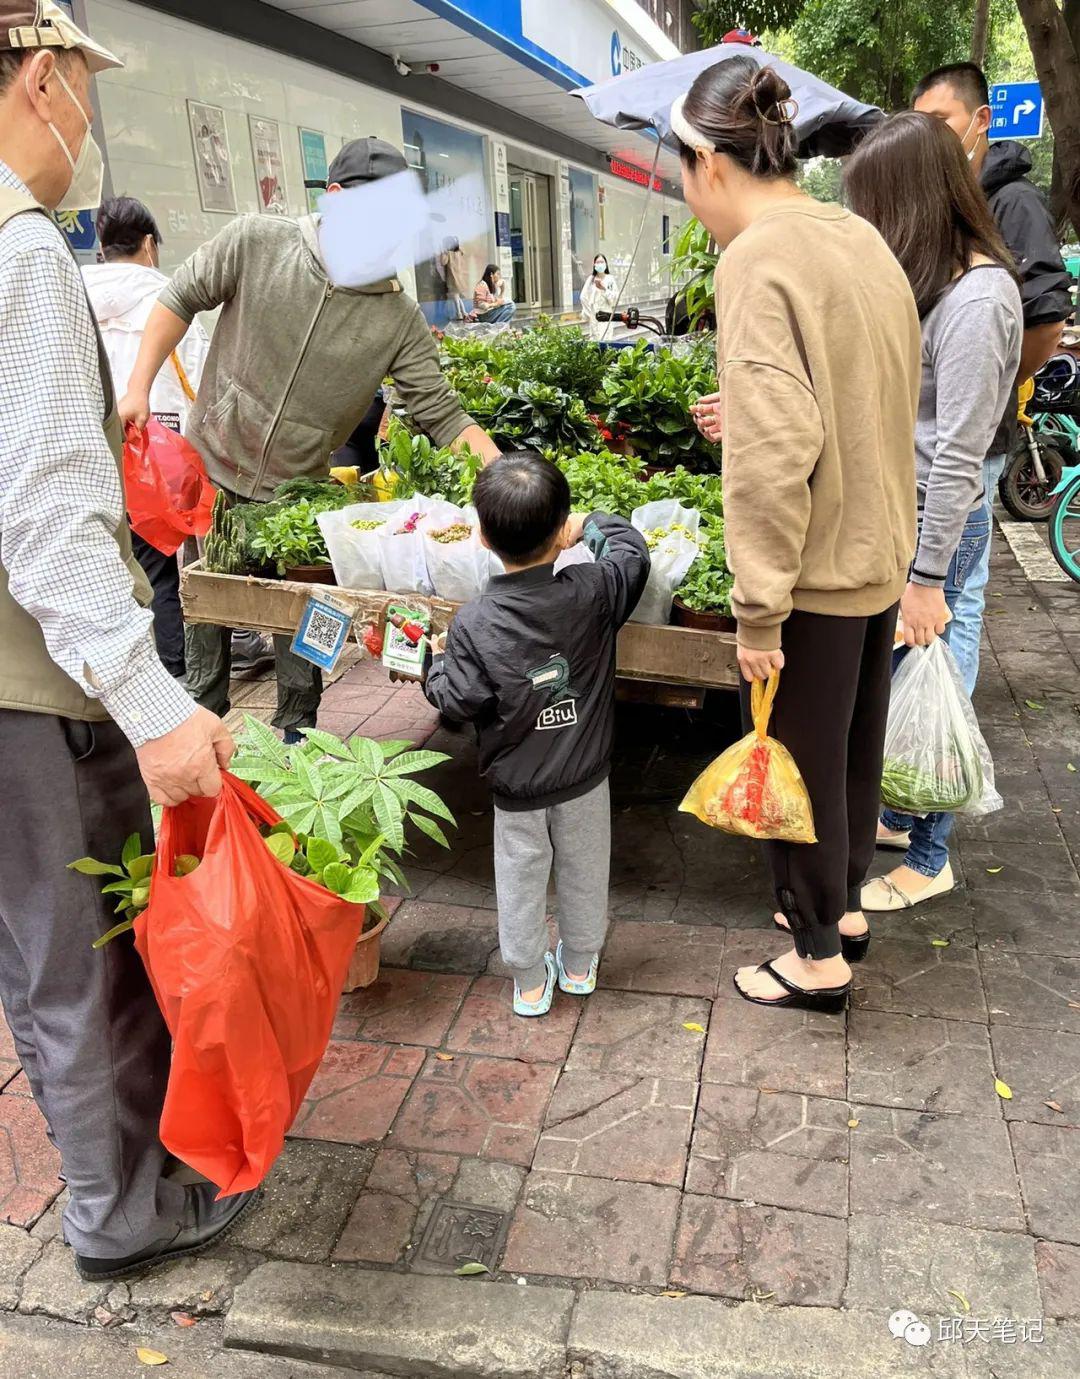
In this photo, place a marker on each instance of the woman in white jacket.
(599, 293)
(122, 291)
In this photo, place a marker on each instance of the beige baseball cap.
(29, 24)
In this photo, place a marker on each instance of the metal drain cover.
(458, 1232)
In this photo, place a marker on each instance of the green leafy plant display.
(290, 535)
(559, 357)
(423, 467)
(693, 262)
(650, 394)
(536, 416)
(604, 482)
(708, 584)
(132, 887)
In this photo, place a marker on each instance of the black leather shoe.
(205, 1221)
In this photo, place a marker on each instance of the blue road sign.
(1016, 110)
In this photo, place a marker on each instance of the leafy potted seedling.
(703, 599)
(292, 540)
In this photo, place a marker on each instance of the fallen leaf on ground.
(959, 1298)
(939, 943)
(852, 1124)
(150, 1357)
(445, 1057)
(1003, 1089)
(762, 1297)
(471, 1266)
(1054, 1107)
(672, 1293)
(1074, 1005)
(182, 1318)
(693, 1027)
(1034, 704)
(1069, 766)
(993, 871)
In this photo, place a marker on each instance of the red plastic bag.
(169, 494)
(247, 960)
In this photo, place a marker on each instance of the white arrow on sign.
(1025, 107)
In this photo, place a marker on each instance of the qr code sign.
(323, 632)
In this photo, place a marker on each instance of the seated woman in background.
(965, 287)
(489, 298)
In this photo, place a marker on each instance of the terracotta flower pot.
(311, 574)
(704, 622)
(364, 967)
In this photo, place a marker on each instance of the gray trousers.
(575, 838)
(85, 1023)
(208, 653)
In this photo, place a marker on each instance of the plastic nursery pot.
(364, 964)
(682, 616)
(311, 574)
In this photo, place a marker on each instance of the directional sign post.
(1016, 111)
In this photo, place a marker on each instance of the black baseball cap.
(365, 160)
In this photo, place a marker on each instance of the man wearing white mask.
(86, 707)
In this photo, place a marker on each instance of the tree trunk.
(1057, 64)
(979, 28)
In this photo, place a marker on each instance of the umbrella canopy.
(828, 122)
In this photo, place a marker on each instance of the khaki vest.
(29, 677)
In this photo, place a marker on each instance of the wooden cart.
(681, 657)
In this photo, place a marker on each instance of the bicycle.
(1064, 529)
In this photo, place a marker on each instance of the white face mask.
(963, 140)
(600, 267)
(88, 170)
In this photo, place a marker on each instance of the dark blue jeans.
(928, 851)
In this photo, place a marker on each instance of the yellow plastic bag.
(754, 788)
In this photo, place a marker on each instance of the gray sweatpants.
(576, 837)
(86, 1025)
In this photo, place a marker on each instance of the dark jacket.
(1024, 221)
(531, 663)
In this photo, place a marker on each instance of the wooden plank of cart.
(681, 661)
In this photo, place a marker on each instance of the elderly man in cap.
(86, 707)
(292, 369)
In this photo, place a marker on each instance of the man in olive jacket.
(293, 365)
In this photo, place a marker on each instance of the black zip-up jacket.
(1024, 221)
(531, 663)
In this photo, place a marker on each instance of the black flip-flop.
(830, 1000)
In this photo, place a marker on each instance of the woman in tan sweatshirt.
(818, 364)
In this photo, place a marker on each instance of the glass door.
(530, 238)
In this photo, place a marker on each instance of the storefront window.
(584, 232)
(442, 154)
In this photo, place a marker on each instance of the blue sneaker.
(543, 1005)
(568, 984)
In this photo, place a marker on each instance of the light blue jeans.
(966, 630)
(928, 851)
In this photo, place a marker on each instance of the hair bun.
(768, 90)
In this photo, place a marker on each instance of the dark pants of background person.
(85, 1023)
(163, 572)
(830, 714)
(208, 652)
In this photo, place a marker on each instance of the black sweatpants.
(163, 572)
(830, 714)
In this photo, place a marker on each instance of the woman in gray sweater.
(911, 180)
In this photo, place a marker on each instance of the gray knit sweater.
(970, 356)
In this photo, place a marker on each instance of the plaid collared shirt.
(60, 495)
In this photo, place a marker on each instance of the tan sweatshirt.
(818, 355)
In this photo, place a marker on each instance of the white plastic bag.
(458, 570)
(936, 758)
(672, 555)
(354, 554)
(401, 549)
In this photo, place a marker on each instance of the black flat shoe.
(205, 1222)
(830, 1000)
(853, 947)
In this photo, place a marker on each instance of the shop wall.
(619, 220)
(144, 111)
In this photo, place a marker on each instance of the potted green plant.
(703, 599)
(344, 808)
(289, 538)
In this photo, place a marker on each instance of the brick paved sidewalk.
(663, 1136)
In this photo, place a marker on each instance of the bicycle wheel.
(1027, 497)
(1065, 530)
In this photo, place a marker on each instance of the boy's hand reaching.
(438, 644)
(574, 529)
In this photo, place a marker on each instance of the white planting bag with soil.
(352, 539)
(671, 532)
(458, 564)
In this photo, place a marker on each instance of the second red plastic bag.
(169, 494)
(247, 960)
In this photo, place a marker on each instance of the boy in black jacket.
(532, 664)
